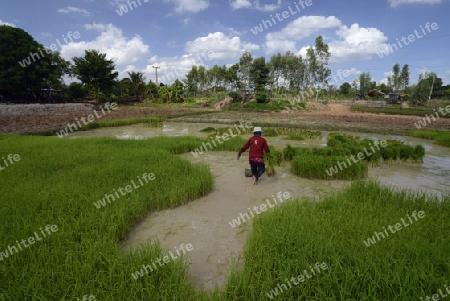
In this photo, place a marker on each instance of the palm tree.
(137, 83)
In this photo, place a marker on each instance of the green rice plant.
(288, 152)
(275, 157)
(270, 132)
(439, 137)
(270, 170)
(59, 181)
(299, 151)
(406, 265)
(328, 168)
(419, 154)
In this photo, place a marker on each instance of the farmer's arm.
(266, 147)
(244, 148)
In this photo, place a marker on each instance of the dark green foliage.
(236, 96)
(95, 70)
(26, 66)
(76, 91)
(261, 97)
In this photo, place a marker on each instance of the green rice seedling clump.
(58, 182)
(410, 264)
(439, 137)
(316, 167)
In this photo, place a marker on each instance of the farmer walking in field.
(257, 145)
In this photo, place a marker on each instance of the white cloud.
(6, 23)
(395, 3)
(72, 9)
(193, 6)
(219, 46)
(350, 43)
(357, 43)
(46, 35)
(342, 75)
(384, 80)
(112, 42)
(238, 4)
(296, 30)
(171, 68)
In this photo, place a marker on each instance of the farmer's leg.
(261, 169)
(254, 167)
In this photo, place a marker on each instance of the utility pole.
(431, 90)
(156, 67)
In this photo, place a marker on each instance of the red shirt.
(257, 144)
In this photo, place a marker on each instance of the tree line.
(283, 76)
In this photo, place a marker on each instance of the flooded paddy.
(207, 224)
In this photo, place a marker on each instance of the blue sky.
(176, 34)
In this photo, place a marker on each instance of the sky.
(173, 35)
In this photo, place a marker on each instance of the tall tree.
(275, 65)
(232, 78)
(426, 83)
(27, 67)
(345, 88)
(365, 82)
(322, 57)
(136, 82)
(259, 74)
(95, 70)
(294, 73)
(245, 64)
(192, 81)
(404, 75)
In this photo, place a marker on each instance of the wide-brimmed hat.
(257, 129)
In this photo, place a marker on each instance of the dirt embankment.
(37, 117)
(40, 117)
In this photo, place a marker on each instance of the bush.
(261, 97)
(236, 96)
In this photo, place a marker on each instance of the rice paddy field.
(67, 204)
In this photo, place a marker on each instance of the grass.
(58, 180)
(409, 264)
(439, 137)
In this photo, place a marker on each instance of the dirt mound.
(45, 109)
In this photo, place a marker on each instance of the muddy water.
(205, 223)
